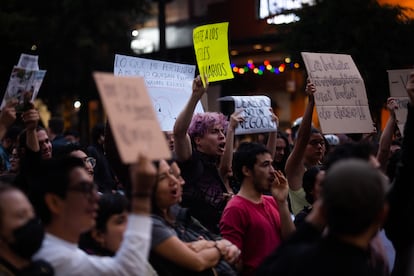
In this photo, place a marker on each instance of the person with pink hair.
(199, 144)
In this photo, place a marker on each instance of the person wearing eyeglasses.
(76, 150)
(104, 175)
(66, 200)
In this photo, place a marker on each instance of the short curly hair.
(201, 122)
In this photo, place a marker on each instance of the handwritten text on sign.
(397, 80)
(256, 114)
(169, 84)
(132, 117)
(211, 49)
(340, 95)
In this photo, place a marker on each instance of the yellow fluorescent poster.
(211, 49)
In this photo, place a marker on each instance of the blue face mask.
(27, 238)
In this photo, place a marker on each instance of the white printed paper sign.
(340, 97)
(397, 80)
(169, 85)
(24, 83)
(256, 113)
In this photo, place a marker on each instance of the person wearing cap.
(332, 141)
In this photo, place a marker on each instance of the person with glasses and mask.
(21, 235)
(66, 200)
(309, 150)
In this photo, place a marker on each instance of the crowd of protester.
(315, 205)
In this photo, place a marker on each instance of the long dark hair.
(281, 165)
(109, 204)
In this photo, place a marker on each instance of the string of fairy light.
(266, 66)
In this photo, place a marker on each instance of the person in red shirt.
(254, 222)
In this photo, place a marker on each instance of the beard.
(261, 186)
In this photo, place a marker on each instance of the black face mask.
(27, 238)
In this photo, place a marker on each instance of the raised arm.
(31, 119)
(280, 191)
(143, 177)
(7, 117)
(271, 141)
(132, 256)
(295, 162)
(399, 230)
(129, 260)
(182, 140)
(225, 162)
(386, 136)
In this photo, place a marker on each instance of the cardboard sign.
(256, 114)
(212, 51)
(132, 117)
(340, 96)
(169, 85)
(397, 80)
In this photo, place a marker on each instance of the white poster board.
(397, 80)
(256, 114)
(169, 85)
(340, 96)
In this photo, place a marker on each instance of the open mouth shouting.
(176, 192)
(221, 147)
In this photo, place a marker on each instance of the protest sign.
(340, 97)
(24, 83)
(256, 114)
(132, 117)
(212, 51)
(29, 62)
(397, 80)
(169, 85)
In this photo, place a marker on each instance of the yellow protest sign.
(212, 53)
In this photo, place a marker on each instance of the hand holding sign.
(274, 117)
(392, 105)
(310, 88)
(31, 118)
(198, 88)
(236, 118)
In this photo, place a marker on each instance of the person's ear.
(54, 203)
(98, 236)
(197, 140)
(246, 171)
